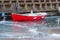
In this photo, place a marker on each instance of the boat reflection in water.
(20, 30)
(47, 29)
(28, 24)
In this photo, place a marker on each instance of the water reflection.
(52, 22)
(32, 30)
(20, 30)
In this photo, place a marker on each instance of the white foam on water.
(2, 22)
(55, 35)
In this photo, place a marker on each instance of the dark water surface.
(48, 29)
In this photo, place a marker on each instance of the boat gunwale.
(33, 14)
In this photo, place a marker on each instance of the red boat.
(28, 17)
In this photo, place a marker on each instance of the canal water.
(48, 29)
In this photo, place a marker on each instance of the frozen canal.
(48, 29)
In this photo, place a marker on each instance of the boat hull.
(19, 17)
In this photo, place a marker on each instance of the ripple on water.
(37, 30)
